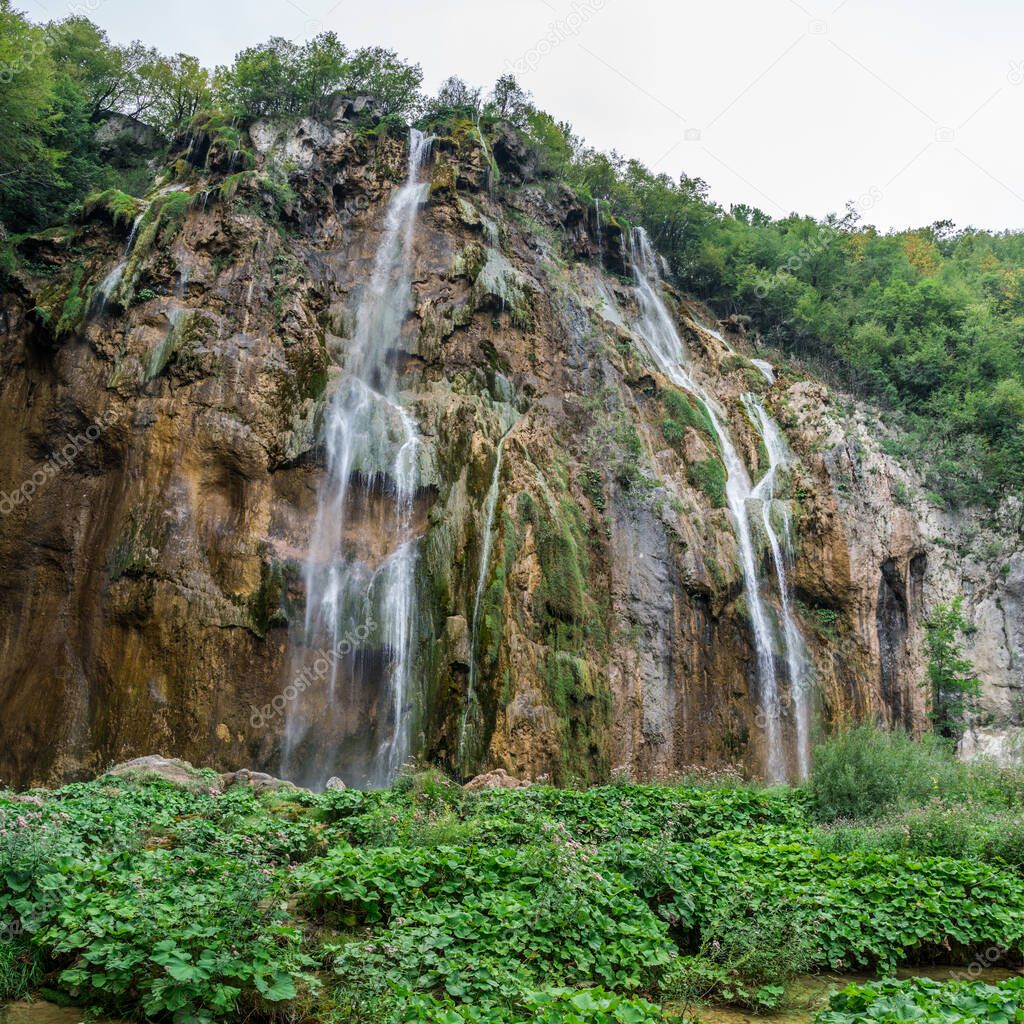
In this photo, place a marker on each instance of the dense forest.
(926, 322)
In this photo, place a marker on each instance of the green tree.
(510, 101)
(953, 686)
(455, 99)
(182, 88)
(380, 73)
(113, 79)
(260, 81)
(27, 89)
(321, 67)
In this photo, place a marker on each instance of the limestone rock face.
(162, 456)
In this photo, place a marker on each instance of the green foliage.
(21, 967)
(551, 1006)
(429, 903)
(967, 830)
(866, 772)
(120, 207)
(280, 77)
(710, 476)
(953, 687)
(927, 1002)
(861, 908)
(60, 81)
(682, 411)
(744, 958)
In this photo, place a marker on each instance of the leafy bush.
(747, 955)
(860, 908)
(865, 772)
(710, 477)
(428, 903)
(484, 922)
(551, 1006)
(927, 1002)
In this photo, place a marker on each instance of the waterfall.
(486, 151)
(658, 331)
(797, 661)
(597, 221)
(490, 508)
(109, 283)
(763, 366)
(350, 717)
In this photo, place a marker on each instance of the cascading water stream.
(659, 333)
(490, 508)
(797, 661)
(360, 604)
(108, 285)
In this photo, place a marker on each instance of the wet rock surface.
(152, 583)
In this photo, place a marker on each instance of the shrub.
(866, 772)
(861, 908)
(926, 1002)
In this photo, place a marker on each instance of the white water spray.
(109, 284)
(658, 331)
(353, 719)
(797, 660)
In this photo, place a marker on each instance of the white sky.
(912, 107)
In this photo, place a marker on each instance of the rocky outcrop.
(497, 779)
(163, 455)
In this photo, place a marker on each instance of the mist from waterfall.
(658, 331)
(780, 543)
(352, 666)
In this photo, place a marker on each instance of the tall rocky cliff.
(165, 369)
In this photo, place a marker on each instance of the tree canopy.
(927, 322)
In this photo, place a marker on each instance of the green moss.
(230, 185)
(267, 605)
(62, 305)
(172, 213)
(469, 261)
(136, 552)
(763, 459)
(710, 477)
(563, 559)
(717, 573)
(682, 411)
(120, 207)
(180, 346)
(584, 708)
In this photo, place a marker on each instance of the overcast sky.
(911, 108)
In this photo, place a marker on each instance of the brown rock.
(496, 779)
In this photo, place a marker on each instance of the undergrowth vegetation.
(623, 903)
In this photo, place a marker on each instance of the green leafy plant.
(952, 684)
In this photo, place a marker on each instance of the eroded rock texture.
(151, 585)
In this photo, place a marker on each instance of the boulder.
(258, 781)
(156, 766)
(335, 783)
(496, 779)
